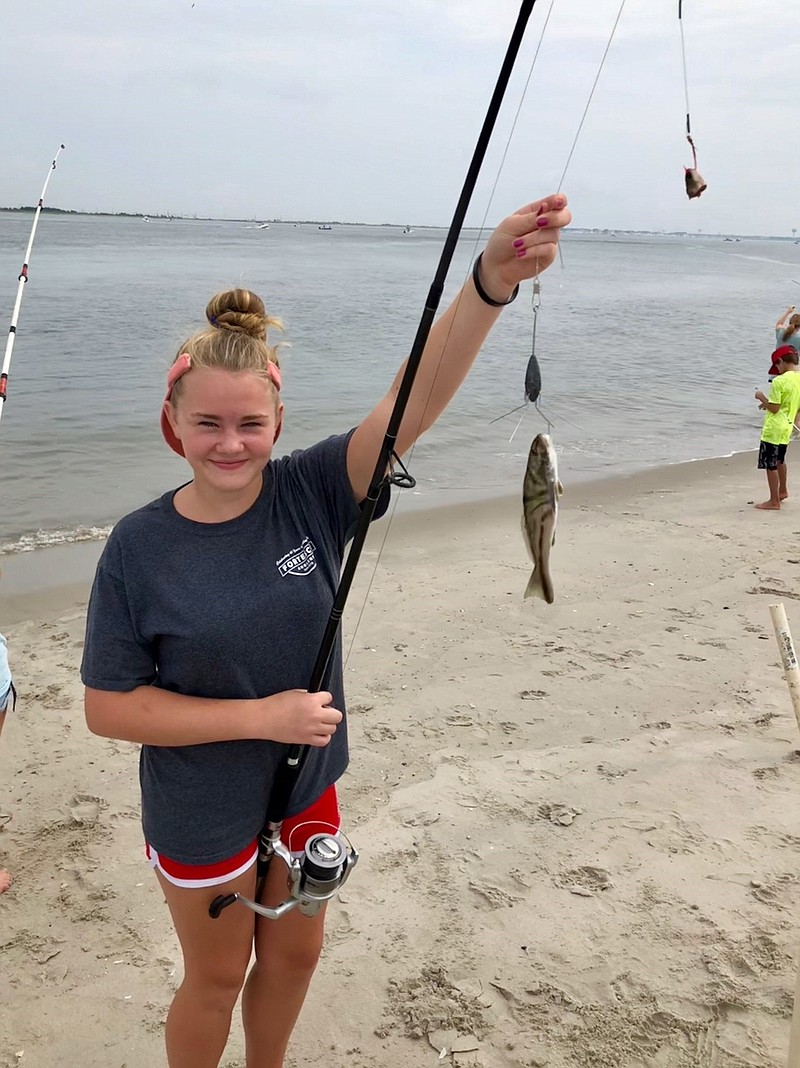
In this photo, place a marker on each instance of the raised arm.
(782, 321)
(523, 245)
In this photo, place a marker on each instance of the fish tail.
(540, 585)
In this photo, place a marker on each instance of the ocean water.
(650, 348)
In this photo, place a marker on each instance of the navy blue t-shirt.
(226, 610)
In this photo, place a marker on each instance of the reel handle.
(220, 903)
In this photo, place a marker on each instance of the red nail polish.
(519, 243)
(541, 209)
(542, 222)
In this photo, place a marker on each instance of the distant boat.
(408, 230)
(145, 219)
(263, 226)
(325, 227)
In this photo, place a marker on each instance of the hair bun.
(239, 311)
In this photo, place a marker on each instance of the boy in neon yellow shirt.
(781, 408)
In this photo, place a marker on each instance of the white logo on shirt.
(299, 561)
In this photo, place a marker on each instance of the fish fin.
(541, 586)
(534, 587)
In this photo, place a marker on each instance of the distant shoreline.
(602, 231)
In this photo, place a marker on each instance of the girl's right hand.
(297, 717)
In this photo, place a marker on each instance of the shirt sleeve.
(115, 656)
(322, 469)
(776, 391)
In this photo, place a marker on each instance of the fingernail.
(542, 222)
(519, 243)
(520, 253)
(539, 212)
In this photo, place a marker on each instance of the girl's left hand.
(524, 244)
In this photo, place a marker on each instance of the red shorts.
(318, 818)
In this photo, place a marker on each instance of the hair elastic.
(482, 292)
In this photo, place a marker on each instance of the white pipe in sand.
(791, 668)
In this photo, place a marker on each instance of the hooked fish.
(695, 184)
(540, 493)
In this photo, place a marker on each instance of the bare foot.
(784, 496)
(6, 879)
(768, 506)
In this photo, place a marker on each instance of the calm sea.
(650, 348)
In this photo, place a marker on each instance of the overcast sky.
(368, 110)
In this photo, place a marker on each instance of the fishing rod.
(328, 859)
(23, 278)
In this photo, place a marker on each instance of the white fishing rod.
(23, 278)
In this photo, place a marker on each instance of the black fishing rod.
(328, 858)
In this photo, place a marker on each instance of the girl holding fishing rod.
(205, 615)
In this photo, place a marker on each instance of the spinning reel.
(315, 877)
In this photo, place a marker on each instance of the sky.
(368, 110)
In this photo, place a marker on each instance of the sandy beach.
(577, 824)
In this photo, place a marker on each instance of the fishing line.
(695, 183)
(535, 295)
(685, 75)
(591, 93)
(481, 228)
(22, 279)
(533, 363)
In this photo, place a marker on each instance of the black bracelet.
(482, 292)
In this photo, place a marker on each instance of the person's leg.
(6, 878)
(287, 951)
(7, 696)
(768, 461)
(215, 958)
(783, 492)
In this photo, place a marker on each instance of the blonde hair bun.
(241, 312)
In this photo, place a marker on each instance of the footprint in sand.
(561, 815)
(777, 890)
(494, 896)
(380, 734)
(585, 881)
(609, 771)
(85, 809)
(50, 697)
(342, 930)
(766, 775)
(760, 834)
(765, 720)
(532, 695)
